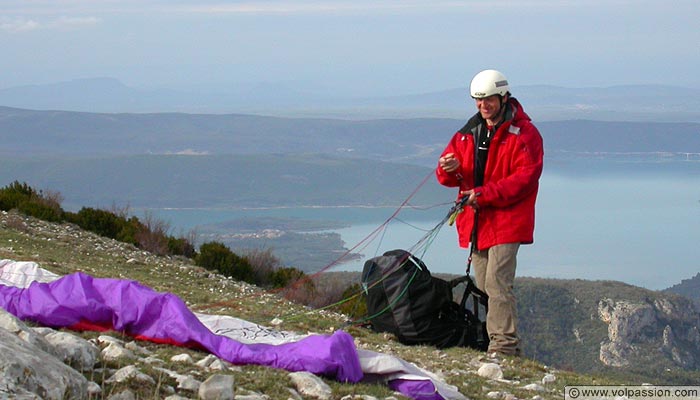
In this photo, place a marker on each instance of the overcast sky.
(350, 46)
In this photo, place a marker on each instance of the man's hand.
(471, 198)
(449, 163)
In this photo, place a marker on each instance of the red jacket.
(511, 179)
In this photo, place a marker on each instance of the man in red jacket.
(496, 161)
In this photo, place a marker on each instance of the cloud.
(214, 7)
(73, 22)
(18, 25)
(310, 7)
(49, 7)
(22, 24)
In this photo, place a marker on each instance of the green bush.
(40, 210)
(129, 230)
(216, 256)
(181, 247)
(101, 222)
(14, 194)
(303, 291)
(354, 302)
(27, 200)
(151, 235)
(282, 277)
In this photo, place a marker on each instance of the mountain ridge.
(33, 133)
(689, 288)
(545, 102)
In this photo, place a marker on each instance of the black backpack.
(403, 298)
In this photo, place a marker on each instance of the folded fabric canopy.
(80, 301)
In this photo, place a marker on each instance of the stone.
(549, 378)
(74, 350)
(217, 387)
(310, 385)
(27, 371)
(490, 371)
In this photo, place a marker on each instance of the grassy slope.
(65, 249)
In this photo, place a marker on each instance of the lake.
(639, 228)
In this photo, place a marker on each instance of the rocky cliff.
(610, 327)
(661, 328)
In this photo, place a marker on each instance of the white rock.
(123, 374)
(125, 395)
(549, 378)
(183, 358)
(218, 365)
(113, 352)
(26, 369)
(106, 339)
(206, 361)
(137, 349)
(534, 387)
(217, 387)
(310, 385)
(153, 360)
(187, 382)
(490, 371)
(74, 350)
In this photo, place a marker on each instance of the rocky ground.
(112, 366)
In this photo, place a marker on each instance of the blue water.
(636, 228)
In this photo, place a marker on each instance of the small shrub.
(42, 211)
(129, 230)
(302, 291)
(153, 235)
(181, 247)
(99, 221)
(38, 204)
(264, 265)
(354, 302)
(213, 256)
(283, 277)
(216, 256)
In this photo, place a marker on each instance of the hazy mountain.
(267, 180)
(62, 133)
(30, 133)
(619, 103)
(689, 288)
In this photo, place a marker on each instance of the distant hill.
(689, 288)
(60, 134)
(160, 160)
(68, 134)
(543, 102)
(268, 180)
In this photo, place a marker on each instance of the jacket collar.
(476, 122)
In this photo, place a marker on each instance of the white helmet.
(487, 83)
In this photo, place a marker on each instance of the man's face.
(489, 107)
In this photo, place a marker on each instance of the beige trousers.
(494, 270)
